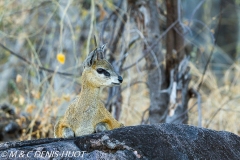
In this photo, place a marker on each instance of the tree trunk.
(167, 105)
(146, 17)
(116, 23)
(176, 65)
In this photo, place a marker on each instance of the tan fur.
(87, 110)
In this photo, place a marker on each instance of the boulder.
(162, 141)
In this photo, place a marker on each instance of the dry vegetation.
(24, 28)
(220, 103)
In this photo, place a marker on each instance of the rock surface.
(163, 141)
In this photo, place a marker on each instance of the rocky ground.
(163, 141)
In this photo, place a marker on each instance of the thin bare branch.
(198, 96)
(211, 53)
(34, 65)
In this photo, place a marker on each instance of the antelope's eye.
(100, 70)
(106, 73)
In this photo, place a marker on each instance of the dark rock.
(163, 141)
(7, 108)
(11, 127)
(13, 124)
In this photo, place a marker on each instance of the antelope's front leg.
(100, 127)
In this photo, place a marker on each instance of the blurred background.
(179, 60)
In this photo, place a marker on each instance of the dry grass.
(220, 101)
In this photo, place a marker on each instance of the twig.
(195, 10)
(144, 121)
(91, 25)
(114, 95)
(196, 94)
(133, 83)
(30, 63)
(30, 9)
(219, 109)
(211, 53)
(115, 38)
(122, 60)
(119, 33)
(146, 51)
(114, 19)
(95, 41)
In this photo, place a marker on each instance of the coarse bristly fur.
(87, 113)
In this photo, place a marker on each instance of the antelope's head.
(98, 72)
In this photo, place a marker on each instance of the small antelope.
(87, 113)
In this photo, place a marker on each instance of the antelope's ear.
(90, 59)
(96, 54)
(103, 47)
(100, 52)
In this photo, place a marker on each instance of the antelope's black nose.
(120, 79)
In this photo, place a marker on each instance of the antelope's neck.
(89, 96)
